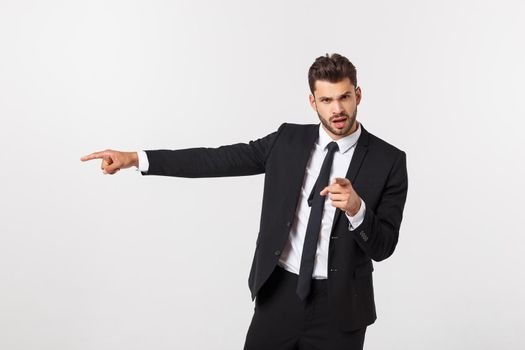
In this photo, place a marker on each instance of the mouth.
(339, 122)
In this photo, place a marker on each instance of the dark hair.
(332, 68)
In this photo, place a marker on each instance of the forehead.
(329, 89)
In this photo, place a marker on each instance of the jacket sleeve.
(230, 160)
(378, 233)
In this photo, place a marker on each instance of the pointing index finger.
(332, 188)
(96, 155)
(327, 189)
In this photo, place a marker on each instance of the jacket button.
(288, 223)
(277, 253)
(334, 237)
(333, 270)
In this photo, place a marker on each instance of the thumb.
(110, 165)
(106, 161)
(111, 168)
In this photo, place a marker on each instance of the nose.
(337, 108)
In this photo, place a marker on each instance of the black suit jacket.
(377, 172)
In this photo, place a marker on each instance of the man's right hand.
(113, 161)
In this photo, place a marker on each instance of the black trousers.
(281, 321)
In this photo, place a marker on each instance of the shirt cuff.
(143, 162)
(358, 218)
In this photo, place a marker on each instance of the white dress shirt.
(143, 162)
(290, 258)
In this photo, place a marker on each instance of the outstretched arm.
(230, 160)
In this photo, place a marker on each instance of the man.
(311, 275)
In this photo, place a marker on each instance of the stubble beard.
(339, 132)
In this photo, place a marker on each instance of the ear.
(312, 102)
(358, 94)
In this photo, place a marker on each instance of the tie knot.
(332, 147)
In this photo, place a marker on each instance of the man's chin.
(341, 131)
(350, 125)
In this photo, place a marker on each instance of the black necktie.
(316, 201)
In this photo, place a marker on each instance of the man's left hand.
(343, 196)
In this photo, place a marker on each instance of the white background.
(93, 261)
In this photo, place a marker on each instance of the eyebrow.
(329, 98)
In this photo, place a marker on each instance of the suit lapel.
(304, 148)
(302, 145)
(355, 165)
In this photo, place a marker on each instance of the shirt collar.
(344, 143)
